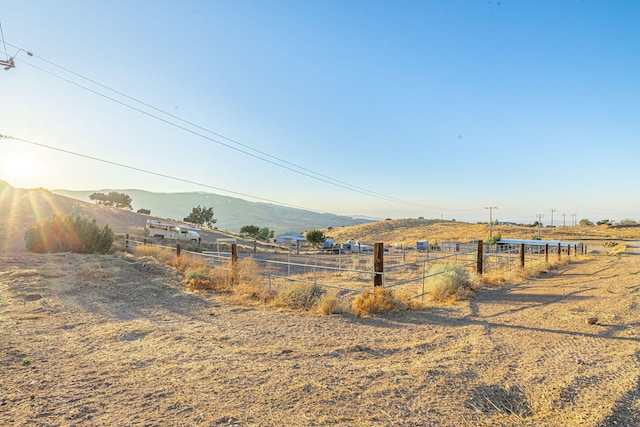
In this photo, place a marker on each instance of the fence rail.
(354, 273)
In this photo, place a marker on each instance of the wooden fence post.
(575, 250)
(522, 255)
(177, 249)
(480, 258)
(546, 253)
(559, 251)
(144, 242)
(234, 263)
(126, 241)
(378, 263)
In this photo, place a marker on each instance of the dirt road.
(109, 340)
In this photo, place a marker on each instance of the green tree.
(202, 216)
(62, 233)
(494, 239)
(119, 200)
(315, 237)
(98, 198)
(264, 234)
(585, 222)
(250, 230)
(144, 211)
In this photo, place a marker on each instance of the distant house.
(450, 246)
(291, 239)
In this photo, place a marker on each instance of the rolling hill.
(232, 213)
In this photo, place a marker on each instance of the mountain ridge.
(232, 213)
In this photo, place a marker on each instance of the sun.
(19, 168)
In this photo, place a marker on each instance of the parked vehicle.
(422, 245)
(164, 230)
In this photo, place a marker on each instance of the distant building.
(450, 246)
(291, 239)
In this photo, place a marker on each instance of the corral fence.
(352, 273)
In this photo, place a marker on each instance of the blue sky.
(441, 108)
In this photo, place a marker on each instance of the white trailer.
(164, 230)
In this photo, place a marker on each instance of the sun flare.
(18, 168)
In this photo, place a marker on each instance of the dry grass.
(299, 296)
(451, 284)
(618, 249)
(98, 270)
(408, 231)
(379, 301)
(163, 255)
(142, 350)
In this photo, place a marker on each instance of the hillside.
(232, 213)
(22, 208)
(408, 231)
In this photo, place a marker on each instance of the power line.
(292, 167)
(491, 208)
(110, 162)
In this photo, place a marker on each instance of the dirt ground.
(115, 340)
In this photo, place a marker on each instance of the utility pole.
(491, 208)
(552, 211)
(564, 222)
(574, 217)
(539, 216)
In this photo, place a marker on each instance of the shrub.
(381, 300)
(494, 239)
(61, 233)
(198, 278)
(328, 304)
(300, 296)
(449, 283)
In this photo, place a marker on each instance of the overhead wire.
(283, 163)
(160, 174)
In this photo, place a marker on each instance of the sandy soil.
(111, 340)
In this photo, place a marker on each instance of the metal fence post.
(126, 241)
(378, 263)
(522, 255)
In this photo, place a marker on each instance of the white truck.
(164, 230)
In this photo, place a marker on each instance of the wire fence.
(353, 273)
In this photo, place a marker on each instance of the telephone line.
(122, 165)
(292, 168)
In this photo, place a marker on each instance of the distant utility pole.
(491, 208)
(552, 211)
(539, 216)
(564, 222)
(574, 217)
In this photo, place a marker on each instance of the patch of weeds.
(26, 361)
(299, 296)
(449, 283)
(198, 278)
(97, 271)
(380, 301)
(329, 304)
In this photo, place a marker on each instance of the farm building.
(291, 238)
(450, 246)
(530, 244)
